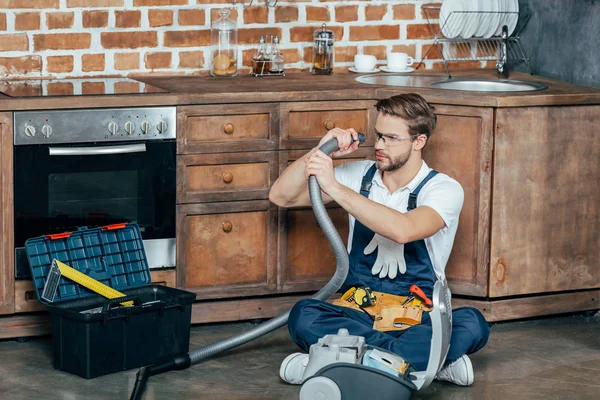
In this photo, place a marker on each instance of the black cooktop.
(76, 87)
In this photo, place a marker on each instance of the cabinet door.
(302, 125)
(546, 219)
(227, 249)
(306, 261)
(461, 147)
(227, 128)
(225, 177)
(7, 250)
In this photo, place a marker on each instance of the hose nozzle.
(332, 145)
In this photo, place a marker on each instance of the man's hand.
(390, 257)
(344, 138)
(320, 165)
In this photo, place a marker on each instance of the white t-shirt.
(442, 193)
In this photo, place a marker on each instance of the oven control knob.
(161, 127)
(46, 130)
(113, 128)
(129, 127)
(30, 130)
(145, 127)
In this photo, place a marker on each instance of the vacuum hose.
(334, 284)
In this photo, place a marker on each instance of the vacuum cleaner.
(348, 378)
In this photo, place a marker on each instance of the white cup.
(364, 62)
(399, 61)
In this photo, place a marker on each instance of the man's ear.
(420, 142)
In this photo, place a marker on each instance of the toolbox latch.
(56, 236)
(114, 227)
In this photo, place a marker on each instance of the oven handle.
(97, 150)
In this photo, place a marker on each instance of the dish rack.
(501, 48)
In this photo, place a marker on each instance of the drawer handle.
(227, 177)
(228, 128)
(227, 226)
(329, 125)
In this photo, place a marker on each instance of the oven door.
(59, 188)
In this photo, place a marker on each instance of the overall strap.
(367, 181)
(412, 198)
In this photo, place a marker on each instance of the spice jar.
(323, 51)
(223, 34)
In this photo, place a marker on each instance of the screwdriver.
(420, 296)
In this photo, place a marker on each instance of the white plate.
(352, 69)
(483, 19)
(405, 71)
(493, 6)
(451, 18)
(513, 6)
(502, 7)
(471, 19)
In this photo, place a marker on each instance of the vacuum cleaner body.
(342, 366)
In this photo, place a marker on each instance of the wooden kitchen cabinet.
(487, 150)
(227, 128)
(306, 258)
(546, 219)
(461, 147)
(227, 249)
(225, 177)
(302, 125)
(7, 268)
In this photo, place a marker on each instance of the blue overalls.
(312, 319)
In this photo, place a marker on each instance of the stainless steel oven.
(93, 168)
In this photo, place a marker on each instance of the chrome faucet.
(501, 64)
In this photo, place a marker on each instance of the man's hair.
(411, 107)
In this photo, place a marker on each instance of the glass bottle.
(277, 60)
(261, 64)
(323, 51)
(223, 35)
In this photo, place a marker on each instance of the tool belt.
(388, 312)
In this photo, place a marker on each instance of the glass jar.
(323, 51)
(223, 35)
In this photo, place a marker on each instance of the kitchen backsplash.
(100, 37)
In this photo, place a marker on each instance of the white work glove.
(390, 257)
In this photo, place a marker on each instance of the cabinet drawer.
(226, 128)
(304, 124)
(227, 249)
(225, 177)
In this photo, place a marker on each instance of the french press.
(323, 51)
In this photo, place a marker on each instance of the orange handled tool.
(416, 291)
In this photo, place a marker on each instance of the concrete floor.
(554, 358)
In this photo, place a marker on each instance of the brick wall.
(102, 37)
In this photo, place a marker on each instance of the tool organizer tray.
(113, 255)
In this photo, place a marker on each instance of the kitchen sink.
(463, 84)
(489, 85)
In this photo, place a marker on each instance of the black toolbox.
(92, 335)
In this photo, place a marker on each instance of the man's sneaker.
(460, 372)
(292, 368)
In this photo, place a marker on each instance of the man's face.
(395, 148)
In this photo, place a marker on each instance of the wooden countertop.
(189, 90)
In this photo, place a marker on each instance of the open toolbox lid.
(113, 255)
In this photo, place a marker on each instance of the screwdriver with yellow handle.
(58, 269)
